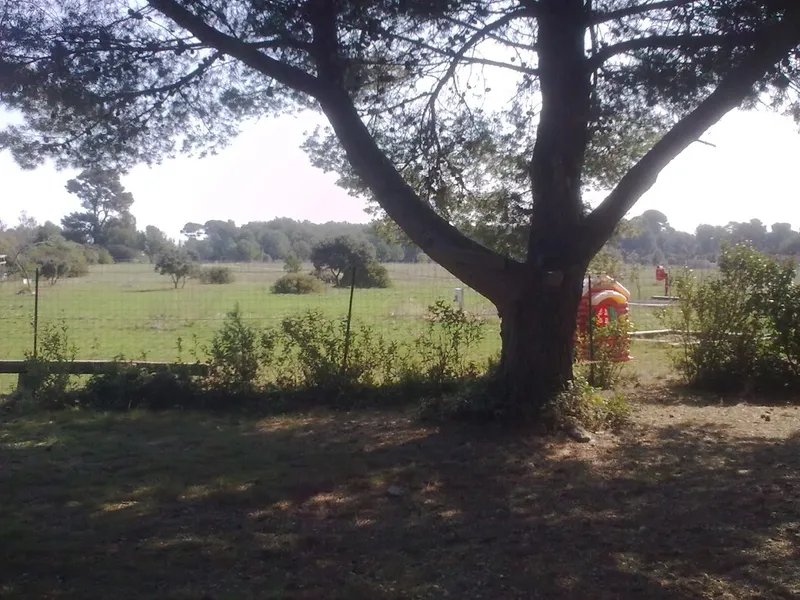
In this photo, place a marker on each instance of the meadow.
(129, 310)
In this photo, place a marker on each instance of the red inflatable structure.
(606, 301)
(662, 275)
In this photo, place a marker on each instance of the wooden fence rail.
(94, 367)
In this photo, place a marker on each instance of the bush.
(292, 264)
(237, 352)
(123, 253)
(582, 404)
(53, 270)
(608, 342)
(372, 275)
(104, 257)
(216, 275)
(78, 266)
(47, 379)
(741, 329)
(126, 387)
(443, 347)
(313, 347)
(297, 283)
(178, 264)
(58, 252)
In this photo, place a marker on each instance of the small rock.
(579, 434)
(766, 417)
(395, 491)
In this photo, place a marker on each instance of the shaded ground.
(691, 502)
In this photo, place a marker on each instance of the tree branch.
(470, 43)
(732, 90)
(286, 74)
(639, 9)
(204, 66)
(475, 265)
(670, 42)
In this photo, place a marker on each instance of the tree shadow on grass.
(675, 394)
(374, 505)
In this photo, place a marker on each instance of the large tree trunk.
(538, 337)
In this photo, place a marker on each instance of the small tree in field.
(334, 257)
(292, 264)
(177, 264)
(53, 270)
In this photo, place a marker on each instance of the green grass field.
(129, 310)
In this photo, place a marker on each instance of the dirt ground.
(695, 499)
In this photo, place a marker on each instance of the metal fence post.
(349, 320)
(36, 315)
(591, 333)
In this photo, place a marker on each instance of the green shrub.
(236, 354)
(178, 264)
(297, 283)
(104, 257)
(58, 252)
(123, 253)
(47, 378)
(53, 270)
(217, 275)
(78, 266)
(124, 386)
(741, 329)
(608, 342)
(443, 347)
(292, 264)
(582, 404)
(372, 275)
(313, 348)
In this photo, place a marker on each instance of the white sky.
(264, 174)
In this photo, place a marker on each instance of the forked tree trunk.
(538, 339)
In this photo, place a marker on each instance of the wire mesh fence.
(129, 310)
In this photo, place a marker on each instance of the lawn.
(691, 501)
(128, 309)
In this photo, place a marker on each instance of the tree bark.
(538, 338)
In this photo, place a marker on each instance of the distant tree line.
(650, 239)
(105, 231)
(219, 241)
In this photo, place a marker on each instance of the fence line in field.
(129, 310)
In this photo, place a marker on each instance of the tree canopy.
(471, 103)
(106, 207)
(333, 259)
